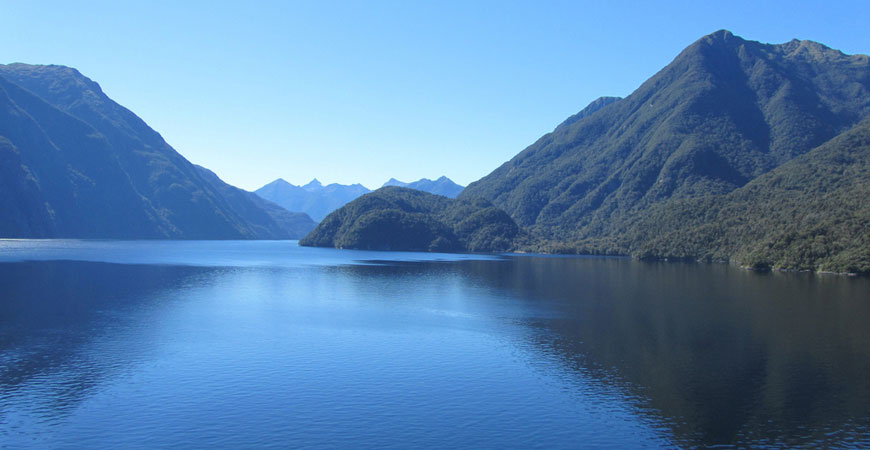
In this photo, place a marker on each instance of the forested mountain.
(314, 198)
(442, 186)
(397, 218)
(725, 112)
(811, 213)
(77, 164)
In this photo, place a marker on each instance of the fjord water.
(115, 344)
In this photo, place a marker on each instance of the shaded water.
(241, 344)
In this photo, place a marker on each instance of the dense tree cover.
(77, 164)
(725, 112)
(397, 218)
(812, 213)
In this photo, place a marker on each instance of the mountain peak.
(812, 51)
(721, 35)
(313, 184)
(314, 198)
(721, 39)
(61, 77)
(724, 111)
(278, 182)
(441, 186)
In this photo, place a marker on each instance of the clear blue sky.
(364, 91)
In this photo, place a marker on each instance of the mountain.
(258, 210)
(77, 164)
(442, 186)
(318, 200)
(811, 213)
(596, 104)
(314, 199)
(397, 218)
(725, 112)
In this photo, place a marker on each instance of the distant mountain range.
(73, 163)
(442, 186)
(318, 200)
(314, 199)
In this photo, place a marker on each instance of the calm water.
(246, 344)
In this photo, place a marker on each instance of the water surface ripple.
(227, 344)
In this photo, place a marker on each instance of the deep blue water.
(108, 344)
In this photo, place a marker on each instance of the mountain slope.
(397, 218)
(265, 217)
(91, 168)
(313, 199)
(24, 210)
(56, 167)
(811, 213)
(442, 186)
(724, 112)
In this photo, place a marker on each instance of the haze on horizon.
(359, 92)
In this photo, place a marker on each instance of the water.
(107, 344)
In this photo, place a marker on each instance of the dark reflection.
(704, 354)
(718, 354)
(50, 310)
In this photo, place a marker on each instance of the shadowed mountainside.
(77, 164)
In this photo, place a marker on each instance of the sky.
(359, 92)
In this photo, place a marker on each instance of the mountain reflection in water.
(113, 344)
